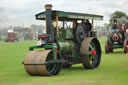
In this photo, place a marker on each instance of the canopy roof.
(69, 15)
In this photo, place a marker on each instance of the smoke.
(1, 9)
(3, 15)
(123, 20)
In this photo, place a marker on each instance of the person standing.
(88, 27)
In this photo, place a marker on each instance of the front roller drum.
(90, 53)
(38, 63)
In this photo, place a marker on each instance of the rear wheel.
(90, 53)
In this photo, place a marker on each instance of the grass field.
(113, 69)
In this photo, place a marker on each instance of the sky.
(16, 12)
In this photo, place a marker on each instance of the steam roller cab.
(66, 42)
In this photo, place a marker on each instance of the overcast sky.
(14, 12)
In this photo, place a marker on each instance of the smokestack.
(48, 13)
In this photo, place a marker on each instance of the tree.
(106, 27)
(37, 28)
(117, 14)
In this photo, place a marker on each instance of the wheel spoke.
(93, 46)
(92, 59)
(90, 47)
(90, 53)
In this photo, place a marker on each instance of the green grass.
(113, 69)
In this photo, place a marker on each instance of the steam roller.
(118, 38)
(63, 45)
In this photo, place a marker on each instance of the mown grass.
(113, 69)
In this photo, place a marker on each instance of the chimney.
(48, 13)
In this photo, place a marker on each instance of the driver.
(88, 26)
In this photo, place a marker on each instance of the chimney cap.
(48, 6)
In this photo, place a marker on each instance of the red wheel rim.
(126, 46)
(107, 47)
